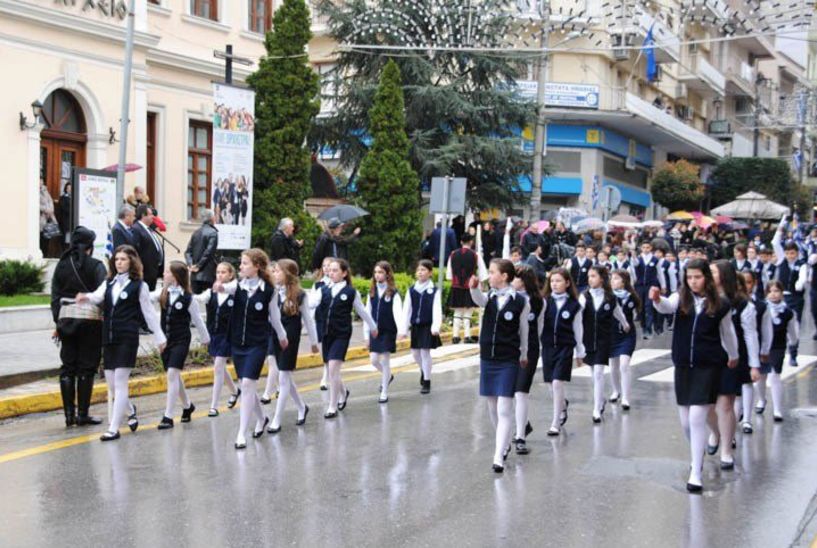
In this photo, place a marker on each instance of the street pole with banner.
(447, 196)
(124, 113)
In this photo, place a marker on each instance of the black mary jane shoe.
(712, 449)
(133, 421)
(265, 400)
(426, 389)
(257, 435)
(324, 388)
(383, 399)
(625, 406)
(726, 465)
(342, 404)
(563, 418)
(272, 430)
(187, 414)
(553, 431)
(521, 447)
(778, 418)
(165, 424)
(330, 414)
(233, 399)
(109, 436)
(213, 412)
(597, 420)
(242, 445)
(614, 399)
(498, 468)
(301, 422)
(759, 409)
(694, 488)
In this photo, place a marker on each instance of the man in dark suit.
(148, 246)
(122, 231)
(201, 254)
(282, 244)
(450, 243)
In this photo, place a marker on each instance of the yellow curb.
(16, 406)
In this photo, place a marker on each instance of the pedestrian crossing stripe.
(436, 355)
(642, 355)
(804, 362)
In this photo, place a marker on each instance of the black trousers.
(81, 352)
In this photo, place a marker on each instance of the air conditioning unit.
(619, 43)
(620, 54)
(629, 163)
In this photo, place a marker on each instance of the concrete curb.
(16, 406)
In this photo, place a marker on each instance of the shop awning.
(630, 195)
(554, 185)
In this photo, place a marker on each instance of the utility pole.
(125, 111)
(802, 109)
(539, 145)
(759, 79)
(229, 59)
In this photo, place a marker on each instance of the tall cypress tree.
(387, 184)
(285, 103)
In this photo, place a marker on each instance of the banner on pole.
(95, 206)
(232, 183)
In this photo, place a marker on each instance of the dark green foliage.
(285, 104)
(19, 278)
(769, 176)
(387, 185)
(677, 186)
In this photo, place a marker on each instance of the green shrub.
(403, 282)
(19, 278)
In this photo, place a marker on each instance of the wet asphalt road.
(416, 471)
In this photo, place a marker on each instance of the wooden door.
(57, 159)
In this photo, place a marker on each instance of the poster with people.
(233, 141)
(95, 205)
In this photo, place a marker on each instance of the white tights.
(250, 409)
(743, 405)
(558, 390)
(722, 423)
(760, 386)
(288, 388)
(501, 412)
(598, 389)
(337, 391)
(272, 377)
(776, 385)
(522, 401)
(175, 389)
(220, 376)
(621, 376)
(422, 356)
(117, 381)
(382, 362)
(693, 422)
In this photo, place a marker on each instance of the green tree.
(387, 185)
(285, 103)
(769, 176)
(677, 185)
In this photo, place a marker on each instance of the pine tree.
(387, 185)
(285, 103)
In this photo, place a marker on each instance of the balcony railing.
(668, 45)
(703, 75)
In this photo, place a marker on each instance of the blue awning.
(631, 195)
(553, 185)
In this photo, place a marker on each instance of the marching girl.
(178, 309)
(386, 308)
(785, 329)
(526, 284)
(562, 335)
(503, 349)
(254, 314)
(125, 301)
(599, 309)
(765, 334)
(423, 315)
(219, 307)
(335, 311)
(703, 342)
(294, 313)
(315, 300)
(623, 341)
(722, 421)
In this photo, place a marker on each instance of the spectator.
(531, 240)
(148, 246)
(450, 243)
(283, 245)
(48, 222)
(201, 254)
(122, 231)
(139, 197)
(64, 214)
(458, 225)
(332, 243)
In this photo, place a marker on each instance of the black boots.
(68, 391)
(85, 387)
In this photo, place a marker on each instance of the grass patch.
(23, 300)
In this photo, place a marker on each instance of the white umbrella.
(751, 205)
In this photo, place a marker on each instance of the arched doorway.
(62, 147)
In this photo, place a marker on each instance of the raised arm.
(201, 327)
(479, 298)
(665, 305)
(800, 284)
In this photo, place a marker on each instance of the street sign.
(610, 200)
(447, 195)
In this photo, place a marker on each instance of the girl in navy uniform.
(600, 311)
(623, 341)
(703, 342)
(335, 310)
(178, 308)
(562, 335)
(526, 284)
(503, 349)
(294, 314)
(322, 276)
(125, 301)
(423, 315)
(254, 314)
(386, 308)
(764, 335)
(219, 308)
(785, 329)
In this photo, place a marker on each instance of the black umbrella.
(344, 213)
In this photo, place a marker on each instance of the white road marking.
(641, 355)
(804, 360)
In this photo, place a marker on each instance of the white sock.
(683, 414)
(219, 368)
(325, 377)
(760, 386)
(522, 401)
(425, 353)
(272, 377)
(121, 403)
(492, 410)
(334, 385)
(248, 409)
(185, 399)
(173, 380)
(598, 389)
(697, 440)
(558, 389)
(615, 375)
(455, 330)
(504, 427)
(777, 392)
(385, 363)
(284, 378)
(110, 382)
(626, 378)
(747, 397)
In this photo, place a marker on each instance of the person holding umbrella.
(332, 243)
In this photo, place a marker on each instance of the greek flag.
(648, 47)
(595, 194)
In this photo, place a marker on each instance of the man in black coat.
(282, 244)
(332, 243)
(148, 246)
(122, 230)
(201, 254)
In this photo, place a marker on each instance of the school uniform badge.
(531, 316)
(229, 302)
(606, 306)
(508, 315)
(565, 314)
(343, 297)
(178, 306)
(430, 290)
(123, 295)
(259, 306)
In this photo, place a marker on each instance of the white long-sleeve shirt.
(597, 296)
(748, 321)
(396, 310)
(729, 339)
(436, 307)
(251, 286)
(578, 326)
(121, 281)
(792, 330)
(766, 332)
(481, 299)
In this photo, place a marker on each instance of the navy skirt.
(557, 363)
(600, 356)
(497, 378)
(421, 337)
(524, 379)
(623, 345)
(287, 359)
(697, 385)
(219, 346)
(386, 341)
(776, 357)
(334, 349)
(249, 361)
(175, 354)
(115, 356)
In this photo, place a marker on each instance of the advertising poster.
(233, 140)
(95, 205)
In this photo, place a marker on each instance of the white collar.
(647, 258)
(251, 284)
(559, 296)
(122, 279)
(423, 286)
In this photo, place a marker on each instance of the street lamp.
(37, 110)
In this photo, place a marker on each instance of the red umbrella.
(723, 219)
(128, 168)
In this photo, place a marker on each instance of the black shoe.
(165, 423)
(553, 431)
(498, 468)
(257, 435)
(625, 406)
(213, 412)
(380, 388)
(426, 387)
(528, 429)
(88, 420)
(472, 340)
(455, 340)
(241, 445)
(759, 409)
(692, 488)
(521, 447)
(712, 449)
(342, 404)
(265, 400)
(187, 414)
(563, 418)
(330, 414)
(726, 465)
(272, 430)
(506, 452)
(597, 420)
(109, 436)
(133, 422)
(324, 388)
(301, 422)
(68, 392)
(747, 427)
(383, 399)
(778, 418)
(233, 399)
(614, 399)
(85, 389)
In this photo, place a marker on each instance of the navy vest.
(218, 316)
(789, 277)
(598, 324)
(289, 321)
(780, 326)
(249, 320)
(422, 306)
(176, 319)
(696, 338)
(336, 312)
(121, 323)
(579, 273)
(743, 353)
(382, 312)
(627, 305)
(646, 274)
(499, 336)
(558, 325)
